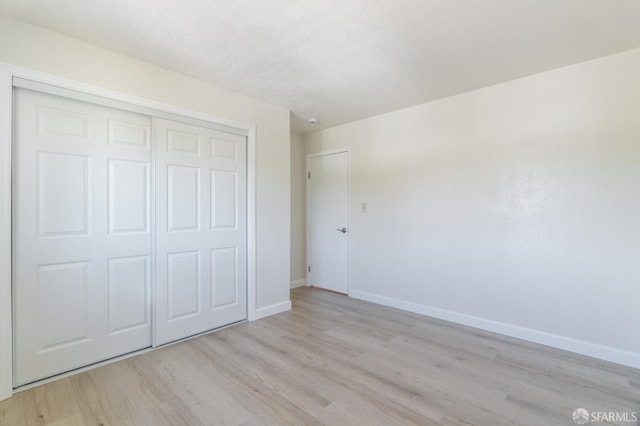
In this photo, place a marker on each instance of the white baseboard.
(273, 309)
(560, 342)
(298, 283)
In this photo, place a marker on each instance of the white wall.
(33, 47)
(298, 211)
(514, 208)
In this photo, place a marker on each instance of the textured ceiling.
(342, 60)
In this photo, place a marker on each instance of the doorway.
(328, 190)
(123, 223)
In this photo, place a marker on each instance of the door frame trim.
(7, 74)
(346, 150)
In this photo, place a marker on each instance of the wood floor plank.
(336, 361)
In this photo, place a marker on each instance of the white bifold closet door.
(201, 230)
(81, 234)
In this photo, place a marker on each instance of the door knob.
(343, 230)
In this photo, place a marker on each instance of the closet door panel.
(81, 234)
(201, 230)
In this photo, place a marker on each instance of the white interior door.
(201, 230)
(81, 234)
(328, 221)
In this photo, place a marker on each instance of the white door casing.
(6, 321)
(201, 230)
(11, 77)
(82, 234)
(328, 220)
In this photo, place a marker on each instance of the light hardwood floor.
(340, 361)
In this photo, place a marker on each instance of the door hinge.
(309, 269)
(309, 175)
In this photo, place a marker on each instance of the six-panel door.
(82, 234)
(201, 230)
(85, 240)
